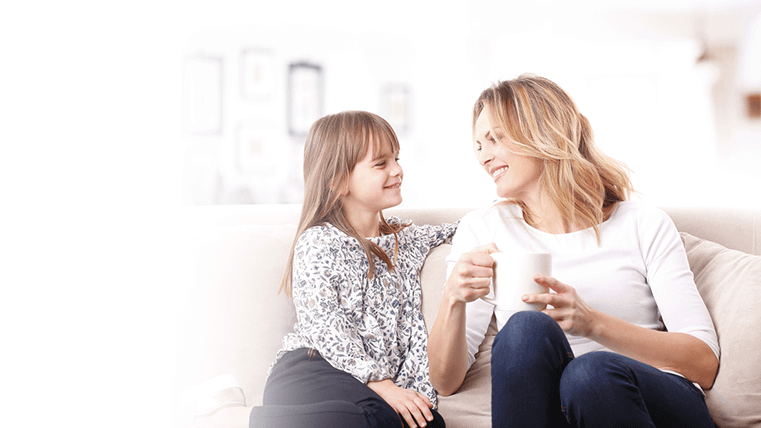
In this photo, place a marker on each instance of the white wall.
(633, 72)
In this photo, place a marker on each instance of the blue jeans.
(537, 382)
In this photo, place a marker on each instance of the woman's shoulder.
(647, 220)
(501, 209)
(641, 212)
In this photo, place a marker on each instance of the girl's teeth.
(499, 172)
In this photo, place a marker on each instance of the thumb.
(487, 249)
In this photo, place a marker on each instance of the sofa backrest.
(735, 228)
(231, 318)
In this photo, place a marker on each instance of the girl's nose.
(397, 169)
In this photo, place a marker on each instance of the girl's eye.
(478, 147)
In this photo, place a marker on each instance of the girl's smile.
(375, 183)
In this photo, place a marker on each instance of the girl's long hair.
(334, 146)
(542, 121)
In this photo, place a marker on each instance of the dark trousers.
(536, 381)
(304, 390)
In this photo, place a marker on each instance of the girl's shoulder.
(415, 231)
(326, 237)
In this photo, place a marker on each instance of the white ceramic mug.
(514, 276)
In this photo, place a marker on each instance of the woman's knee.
(594, 376)
(526, 331)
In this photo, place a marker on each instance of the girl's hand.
(571, 312)
(414, 407)
(471, 277)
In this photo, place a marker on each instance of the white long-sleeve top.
(370, 328)
(639, 271)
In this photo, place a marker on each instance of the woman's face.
(515, 175)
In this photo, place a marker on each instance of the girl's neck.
(365, 223)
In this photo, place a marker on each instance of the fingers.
(487, 249)
(471, 276)
(563, 296)
(418, 410)
(552, 283)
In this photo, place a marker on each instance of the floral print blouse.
(372, 329)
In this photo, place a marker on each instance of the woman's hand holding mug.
(471, 277)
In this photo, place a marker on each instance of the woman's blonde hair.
(334, 146)
(541, 120)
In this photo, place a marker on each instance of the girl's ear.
(342, 189)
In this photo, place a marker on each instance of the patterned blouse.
(372, 329)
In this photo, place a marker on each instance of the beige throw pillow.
(730, 283)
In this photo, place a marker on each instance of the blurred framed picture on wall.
(305, 97)
(396, 106)
(202, 102)
(257, 78)
(256, 150)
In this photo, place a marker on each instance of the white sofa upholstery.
(231, 319)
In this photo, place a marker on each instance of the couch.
(231, 318)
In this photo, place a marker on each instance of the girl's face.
(516, 175)
(375, 183)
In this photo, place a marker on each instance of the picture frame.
(256, 150)
(305, 97)
(203, 93)
(753, 103)
(257, 74)
(396, 106)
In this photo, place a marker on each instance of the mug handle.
(486, 299)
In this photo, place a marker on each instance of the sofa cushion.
(432, 279)
(730, 283)
(232, 320)
(471, 405)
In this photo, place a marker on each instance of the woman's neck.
(547, 217)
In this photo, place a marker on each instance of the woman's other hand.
(672, 351)
(414, 407)
(471, 276)
(570, 311)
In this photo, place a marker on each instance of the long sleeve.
(323, 313)
(372, 328)
(671, 280)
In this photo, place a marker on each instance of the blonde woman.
(357, 356)
(626, 339)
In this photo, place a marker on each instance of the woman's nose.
(484, 155)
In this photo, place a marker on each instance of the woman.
(625, 339)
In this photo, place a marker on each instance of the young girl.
(357, 356)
